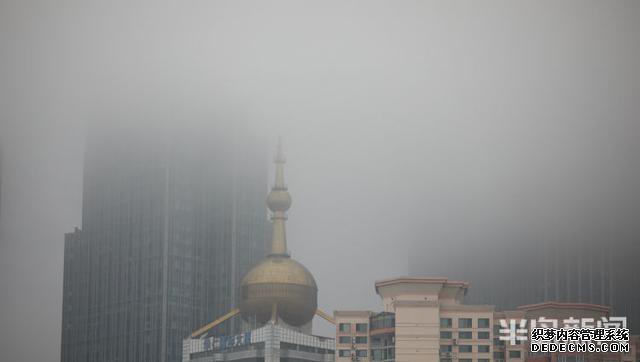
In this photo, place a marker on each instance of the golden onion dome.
(279, 287)
(279, 269)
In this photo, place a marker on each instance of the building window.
(465, 348)
(464, 360)
(446, 334)
(361, 340)
(483, 335)
(345, 327)
(445, 348)
(514, 354)
(382, 320)
(483, 322)
(344, 353)
(344, 339)
(484, 348)
(498, 355)
(445, 359)
(464, 335)
(483, 360)
(465, 323)
(361, 327)
(361, 353)
(446, 323)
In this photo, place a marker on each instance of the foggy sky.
(403, 121)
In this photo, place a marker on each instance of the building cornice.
(561, 305)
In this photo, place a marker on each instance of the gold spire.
(279, 288)
(279, 201)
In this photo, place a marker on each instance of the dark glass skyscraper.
(599, 268)
(171, 220)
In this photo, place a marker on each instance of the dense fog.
(409, 127)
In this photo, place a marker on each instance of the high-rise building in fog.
(0, 183)
(170, 223)
(595, 269)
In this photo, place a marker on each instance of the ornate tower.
(279, 288)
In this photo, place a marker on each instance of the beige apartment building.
(424, 320)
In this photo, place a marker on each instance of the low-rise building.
(352, 334)
(425, 320)
(271, 342)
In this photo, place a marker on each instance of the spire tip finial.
(279, 201)
(279, 153)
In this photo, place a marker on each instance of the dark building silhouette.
(1, 172)
(598, 266)
(171, 220)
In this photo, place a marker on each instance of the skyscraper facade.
(1, 185)
(595, 270)
(171, 221)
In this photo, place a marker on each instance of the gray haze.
(403, 122)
